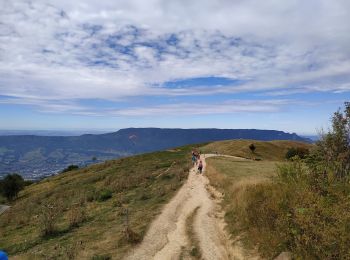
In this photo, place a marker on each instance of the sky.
(97, 64)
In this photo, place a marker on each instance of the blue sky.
(224, 64)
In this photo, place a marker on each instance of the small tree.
(252, 148)
(299, 151)
(12, 185)
(71, 167)
(332, 154)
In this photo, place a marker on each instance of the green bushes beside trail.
(293, 214)
(306, 208)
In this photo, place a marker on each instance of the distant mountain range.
(52, 132)
(36, 156)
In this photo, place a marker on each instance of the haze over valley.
(35, 157)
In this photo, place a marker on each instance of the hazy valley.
(35, 156)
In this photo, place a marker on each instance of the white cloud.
(175, 109)
(71, 50)
(189, 109)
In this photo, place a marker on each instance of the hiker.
(194, 159)
(200, 166)
(198, 156)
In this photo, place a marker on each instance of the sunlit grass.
(141, 183)
(232, 177)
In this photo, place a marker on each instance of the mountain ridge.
(35, 156)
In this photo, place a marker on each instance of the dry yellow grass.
(265, 150)
(231, 177)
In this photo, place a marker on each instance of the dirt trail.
(167, 237)
(3, 208)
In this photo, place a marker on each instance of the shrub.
(194, 251)
(331, 156)
(2, 200)
(131, 236)
(289, 215)
(12, 185)
(299, 152)
(252, 148)
(306, 209)
(50, 211)
(76, 215)
(104, 195)
(71, 167)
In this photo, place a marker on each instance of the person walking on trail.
(198, 156)
(200, 166)
(194, 159)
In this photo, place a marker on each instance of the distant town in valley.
(39, 154)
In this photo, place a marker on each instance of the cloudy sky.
(97, 64)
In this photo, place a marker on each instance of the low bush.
(252, 147)
(131, 236)
(290, 215)
(104, 195)
(305, 210)
(76, 216)
(50, 212)
(71, 167)
(101, 257)
(299, 152)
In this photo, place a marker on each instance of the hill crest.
(37, 156)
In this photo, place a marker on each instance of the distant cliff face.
(36, 156)
(150, 139)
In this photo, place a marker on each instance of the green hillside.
(265, 150)
(82, 213)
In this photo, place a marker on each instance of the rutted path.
(168, 238)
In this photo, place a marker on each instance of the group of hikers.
(196, 160)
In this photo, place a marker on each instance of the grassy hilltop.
(82, 213)
(233, 176)
(264, 150)
(30, 155)
(301, 206)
